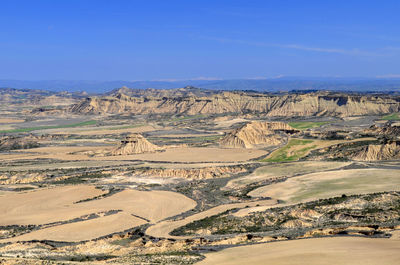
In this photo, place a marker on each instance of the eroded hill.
(274, 105)
(257, 133)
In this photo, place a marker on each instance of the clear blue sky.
(167, 39)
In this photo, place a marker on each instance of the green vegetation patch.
(282, 155)
(170, 257)
(303, 125)
(391, 117)
(86, 177)
(30, 129)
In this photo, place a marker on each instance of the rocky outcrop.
(192, 173)
(135, 144)
(363, 150)
(16, 142)
(257, 133)
(374, 152)
(387, 129)
(201, 102)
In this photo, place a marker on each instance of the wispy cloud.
(201, 78)
(389, 76)
(354, 52)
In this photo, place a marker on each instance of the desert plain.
(187, 176)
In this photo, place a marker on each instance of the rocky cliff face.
(285, 105)
(256, 133)
(135, 144)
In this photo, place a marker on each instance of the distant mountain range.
(261, 85)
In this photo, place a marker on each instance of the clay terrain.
(188, 175)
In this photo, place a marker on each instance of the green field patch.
(391, 117)
(30, 129)
(282, 155)
(303, 125)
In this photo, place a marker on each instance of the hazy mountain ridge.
(266, 84)
(39, 97)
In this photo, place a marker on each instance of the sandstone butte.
(257, 133)
(273, 105)
(135, 144)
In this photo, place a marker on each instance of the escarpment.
(273, 105)
(374, 152)
(257, 133)
(192, 173)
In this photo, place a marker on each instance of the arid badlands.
(185, 176)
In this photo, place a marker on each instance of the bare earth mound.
(256, 133)
(135, 144)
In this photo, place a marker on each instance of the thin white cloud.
(356, 52)
(389, 76)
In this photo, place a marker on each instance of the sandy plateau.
(185, 176)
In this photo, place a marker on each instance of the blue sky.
(156, 40)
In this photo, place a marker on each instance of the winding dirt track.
(164, 228)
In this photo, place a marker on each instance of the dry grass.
(84, 230)
(57, 204)
(298, 148)
(326, 251)
(330, 184)
(284, 169)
